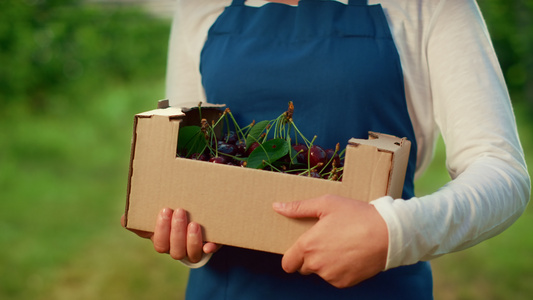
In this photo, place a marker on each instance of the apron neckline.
(350, 2)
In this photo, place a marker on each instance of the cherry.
(301, 157)
(252, 148)
(199, 156)
(333, 157)
(240, 148)
(312, 161)
(317, 155)
(214, 142)
(229, 149)
(231, 137)
(285, 159)
(314, 174)
(338, 176)
(219, 159)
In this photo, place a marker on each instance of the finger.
(178, 234)
(305, 271)
(312, 208)
(194, 242)
(292, 260)
(161, 237)
(211, 247)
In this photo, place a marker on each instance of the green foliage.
(191, 140)
(268, 152)
(256, 131)
(71, 48)
(63, 182)
(72, 75)
(510, 25)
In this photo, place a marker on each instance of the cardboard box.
(234, 204)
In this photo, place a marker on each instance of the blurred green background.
(73, 74)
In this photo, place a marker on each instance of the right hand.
(175, 235)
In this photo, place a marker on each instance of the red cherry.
(302, 153)
(198, 156)
(317, 155)
(231, 137)
(333, 157)
(225, 148)
(314, 173)
(241, 148)
(252, 148)
(219, 160)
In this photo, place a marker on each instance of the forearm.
(479, 204)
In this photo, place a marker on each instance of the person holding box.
(413, 69)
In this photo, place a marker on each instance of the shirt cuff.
(398, 241)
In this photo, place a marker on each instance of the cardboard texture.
(234, 204)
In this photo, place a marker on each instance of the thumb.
(312, 208)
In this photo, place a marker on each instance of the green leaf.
(191, 140)
(270, 151)
(255, 132)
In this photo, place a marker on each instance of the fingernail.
(179, 214)
(166, 213)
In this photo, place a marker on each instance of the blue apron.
(339, 65)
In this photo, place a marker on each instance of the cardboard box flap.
(384, 142)
(166, 112)
(163, 109)
(400, 148)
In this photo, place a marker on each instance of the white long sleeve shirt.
(454, 86)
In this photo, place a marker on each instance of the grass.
(63, 181)
(499, 268)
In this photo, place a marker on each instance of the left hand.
(175, 235)
(347, 245)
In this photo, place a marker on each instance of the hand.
(173, 234)
(347, 245)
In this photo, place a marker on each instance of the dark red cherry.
(229, 149)
(240, 148)
(231, 137)
(252, 148)
(317, 155)
(219, 159)
(198, 156)
(333, 157)
(314, 173)
(301, 157)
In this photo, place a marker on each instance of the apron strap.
(350, 2)
(237, 2)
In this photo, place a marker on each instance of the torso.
(253, 61)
